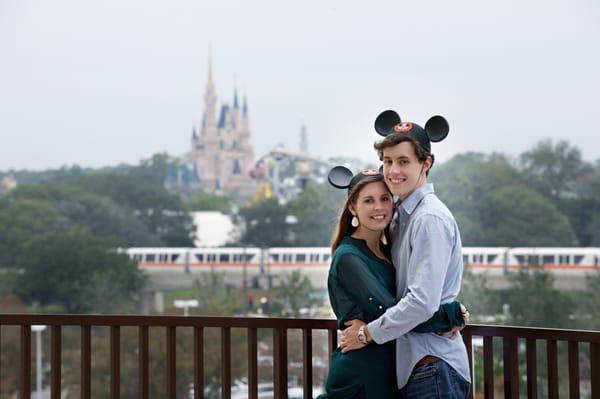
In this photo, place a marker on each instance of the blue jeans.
(436, 380)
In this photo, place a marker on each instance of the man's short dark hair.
(395, 139)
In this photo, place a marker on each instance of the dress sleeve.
(445, 319)
(362, 286)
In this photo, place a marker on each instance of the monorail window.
(578, 259)
(174, 257)
(138, 257)
(492, 258)
(163, 257)
(300, 257)
(211, 258)
(466, 259)
(199, 257)
(287, 258)
(548, 259)
(326, 257)
(563, 259)
(521, 259)
(275, 257)
(224, 258)
(150, 258)
(314, 257)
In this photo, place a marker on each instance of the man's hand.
(349, 341)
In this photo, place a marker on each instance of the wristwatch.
(361, 336)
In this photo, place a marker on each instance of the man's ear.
(427, 164)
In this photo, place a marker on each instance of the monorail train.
(276, 259)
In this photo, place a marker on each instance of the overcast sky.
(104, 82)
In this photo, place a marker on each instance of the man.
(426, 251)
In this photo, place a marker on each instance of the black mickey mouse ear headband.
(436, 129)
(341, 177)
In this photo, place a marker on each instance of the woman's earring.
(355, 221)
(383, 238)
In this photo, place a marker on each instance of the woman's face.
(374, 206)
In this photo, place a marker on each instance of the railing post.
(280, 363)
(552, 369)
(468, 340)
(307, 362)
(511, 368)
(252, 363)
(595, 369)
(171, 363)
(25, 362)
(225, 362)
(198, 363)
(55, 370)
(86, 362)
(143, 362)
(488, 367)
(332, 335)
(115, 362)
(573, 370)
(531, 368)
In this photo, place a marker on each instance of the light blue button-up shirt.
(426, 250)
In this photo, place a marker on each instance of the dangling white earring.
(355, 221)
(383, 238)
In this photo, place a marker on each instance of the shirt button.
(380, 307)
(370, 299)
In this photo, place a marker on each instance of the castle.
(221, 153)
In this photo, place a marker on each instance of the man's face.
(402, 170)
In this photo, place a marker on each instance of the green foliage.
(208, 202)
(534, 222)
(78, 271)
(553, 168)
(494, 206)
(264, 224)
(23, 220)
(317, 210)
(292, 294)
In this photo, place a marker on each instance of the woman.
(361, 286)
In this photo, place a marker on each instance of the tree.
(316, 210)
(464, 181)
(208, 202)
(264, 224)
(553, 168)
(24, 220)
(535, 221)
(533, 301)
(77, 271)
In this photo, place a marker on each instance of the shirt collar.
(411, 202)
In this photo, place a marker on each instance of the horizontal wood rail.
(513, 338)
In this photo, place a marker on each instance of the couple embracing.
(395, 274)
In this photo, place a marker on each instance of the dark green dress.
(362, 286)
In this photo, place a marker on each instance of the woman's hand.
(455, 332)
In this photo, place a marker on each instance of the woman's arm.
(365, 289)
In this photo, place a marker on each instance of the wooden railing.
(511, 337)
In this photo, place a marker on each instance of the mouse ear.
(385, 122)
(340, 176)
(437, 128)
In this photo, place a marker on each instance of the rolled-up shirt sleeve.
(432, 240)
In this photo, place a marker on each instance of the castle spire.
(210, 97)
(235, 98)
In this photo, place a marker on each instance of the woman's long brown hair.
(344, 227)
